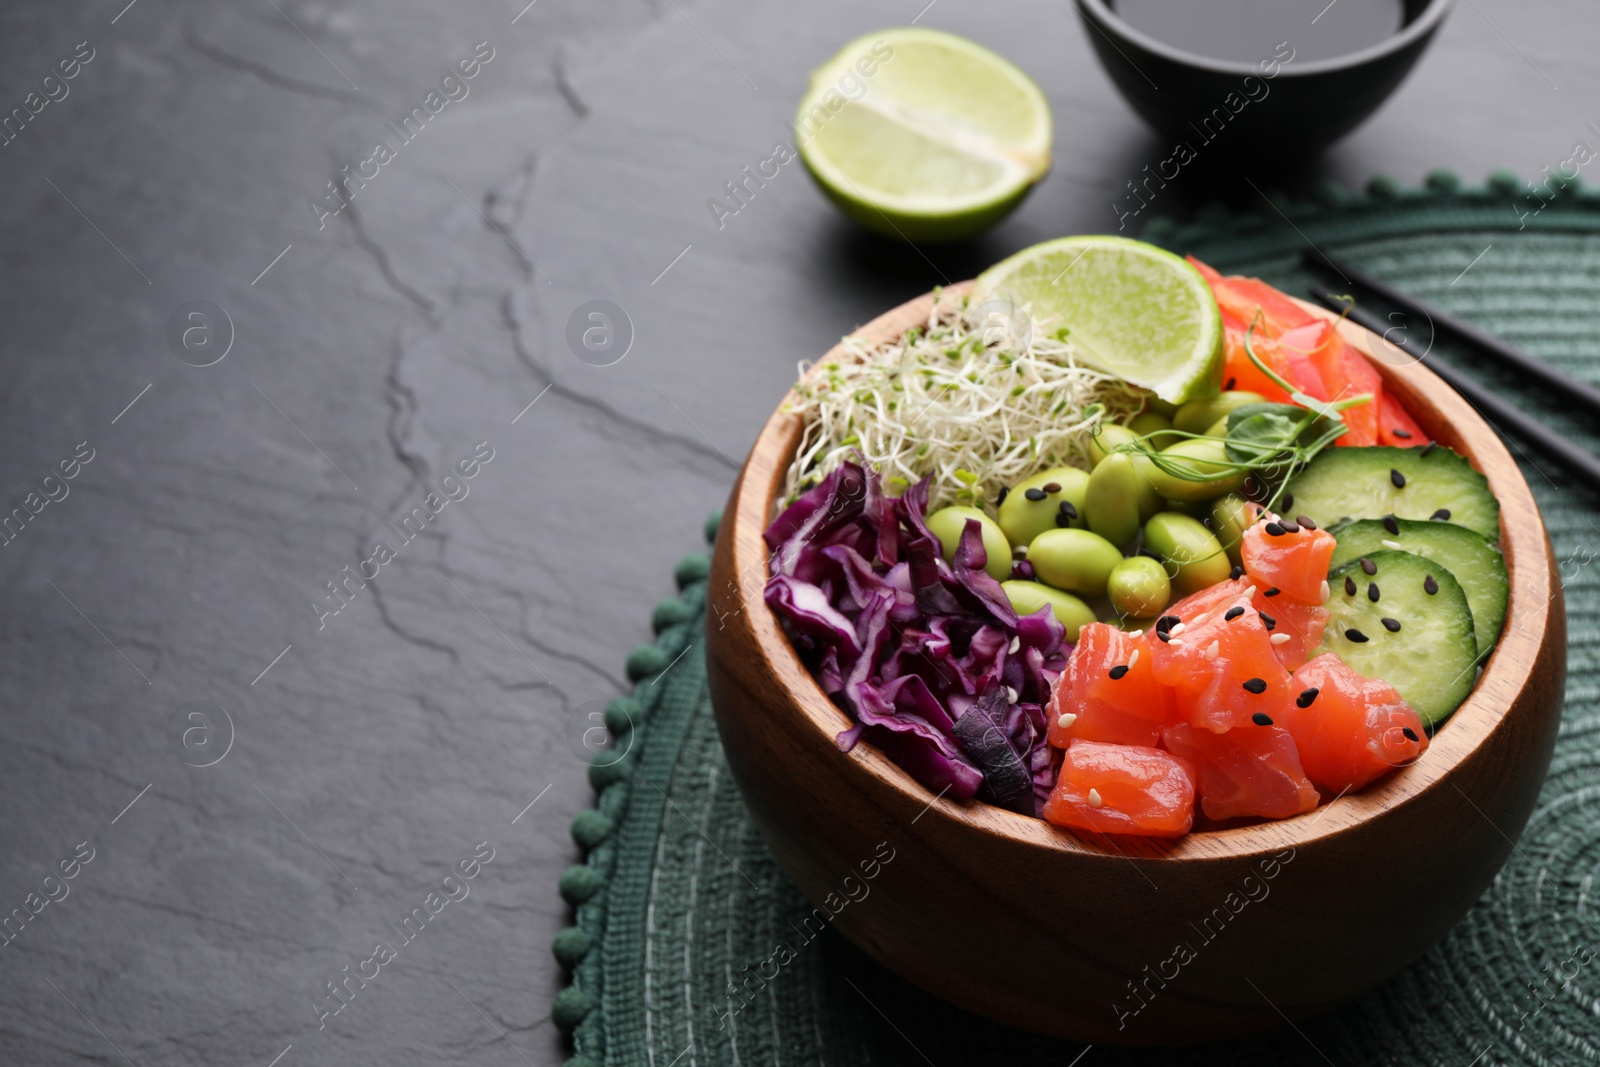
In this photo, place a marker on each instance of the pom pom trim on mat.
(576, 1009)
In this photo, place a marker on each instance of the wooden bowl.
(1214, 936)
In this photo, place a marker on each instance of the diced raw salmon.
(1104, 703)
(1251, 770)
(1122, 789)
(1349, 729)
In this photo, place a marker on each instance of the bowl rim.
(1451, 421)
(1101, 11)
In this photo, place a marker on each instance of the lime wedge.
(923, 135)
(1129, 308)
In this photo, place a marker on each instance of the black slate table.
(332, 539)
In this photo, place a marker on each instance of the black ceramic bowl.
(1279, 101)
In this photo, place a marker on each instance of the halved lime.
(1129, 308)
(923, 135)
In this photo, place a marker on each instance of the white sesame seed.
(1175, 643)
(1016, 643)
(1066, 721)
(1198, 619)
(1326, 592)
(1391, 544)
(1213, 650)
(1094, 798)
(1133, 659)
(1279, 639)
(1011, 694)
(1176, 630)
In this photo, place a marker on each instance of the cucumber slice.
(1408, 483)
(1474, 563)
(1432, 658)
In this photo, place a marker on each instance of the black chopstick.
(1499, 412)
(1508, 355)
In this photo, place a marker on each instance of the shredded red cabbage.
(927, 657)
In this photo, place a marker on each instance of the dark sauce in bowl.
(1251, 30)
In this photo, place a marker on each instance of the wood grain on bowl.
(1216, 935)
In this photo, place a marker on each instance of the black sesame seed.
(1068, 509)
(1233, 613)
(1397, 479)
(1372, 592)
(1256, 685)
(1288, 501)
(1275, 530)
(1368, 567)
(1392, 625)
(1118, 671)
(1404, 435)
(1005, 491)
(1442, 515)
(1289, 527)
(1034, 495)
(1062, 522)
(1306, 522)
(1391, 524)
(1411, 735)
(1268, 621)
(1430, 586)
(1163, 636)
(1052, 487)
(1349, 586)
(1274, 591)
(1428, 447)
(1261, 718)
(1228, 388)
(1306, 697)
(1167, 622)
(1355, 635)
(1236, 573)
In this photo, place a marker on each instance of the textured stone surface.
(378, 751)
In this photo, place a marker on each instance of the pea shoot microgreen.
(1270, 440)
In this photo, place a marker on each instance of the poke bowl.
(1078, 926)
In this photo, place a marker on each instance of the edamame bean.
(1207, 459)
(1107, 438)
(1110, 437)
(1196, 415)
(1194, 557)
(1150, 502)
(1075, 560)
(1028, 597)
(1148, 422)
(1231, 516)
(1049, 500)
(1139, 587)
(947, 523)
(1198, 508)
(1113, 499)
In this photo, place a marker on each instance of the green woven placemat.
(678, 900)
